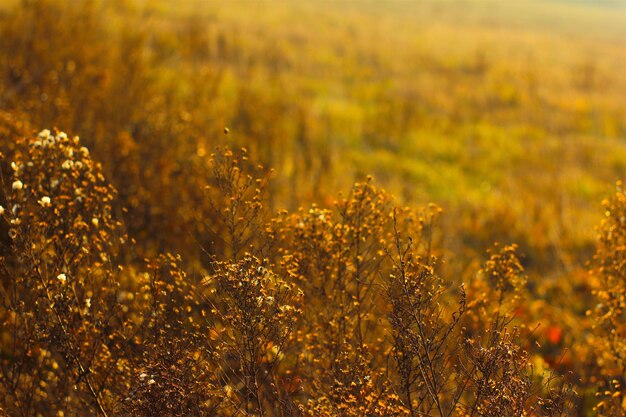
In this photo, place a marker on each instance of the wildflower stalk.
(83, 371)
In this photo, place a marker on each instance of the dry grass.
(149, 268)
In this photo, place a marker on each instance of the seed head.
(45, 201)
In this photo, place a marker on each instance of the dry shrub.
(338, 311)
(252, 320)
(610, 313)
(168, 359)
(356, 390)
(58, 280)
(236, 194)
(380, 329)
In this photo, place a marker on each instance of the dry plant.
(424, 346)
(610, 312)
(252, 320)
(338, 311)
(235, 193)
(356, 390)
(58, 280)
(168, 359)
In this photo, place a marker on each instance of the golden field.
(347, 208)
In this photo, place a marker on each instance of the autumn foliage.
(164, 265)
(322, 312)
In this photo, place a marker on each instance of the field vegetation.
(351, 208)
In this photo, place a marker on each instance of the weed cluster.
(341, 305)
(323, 312)
(610, 313)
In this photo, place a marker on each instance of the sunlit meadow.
(281, 208)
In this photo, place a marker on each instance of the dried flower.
(45, 201)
